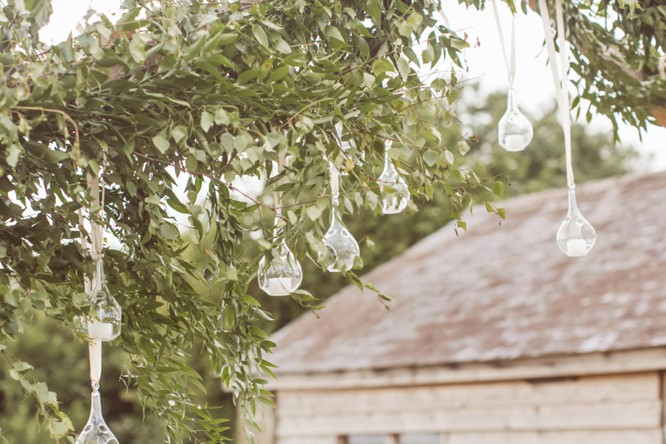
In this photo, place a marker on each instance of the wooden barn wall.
(616, 409)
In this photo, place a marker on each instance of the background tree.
(177, 101)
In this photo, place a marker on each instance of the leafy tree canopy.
(176, 101)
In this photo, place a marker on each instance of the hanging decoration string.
(561, 80)
(281, 274)
(514, 130)
(277, 195)
(575, 236)
(95, 249)
(335, 182)
(509, 59)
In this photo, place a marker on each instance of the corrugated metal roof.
(504, 292)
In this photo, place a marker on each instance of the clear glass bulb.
(342, 246)
(576, 236)
(104, 318)
(283, 274)
(514, 130)
(96, 431)
(395, 193)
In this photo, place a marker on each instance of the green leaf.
(373, 8)
(13, 154)
(137, 48)
(463, 147)
(498, 189)
(228, 38)
(279, 74)
(449, 157)
(207, 120)
(178, 133)
(161, 142)
(260, 35)
(314, 212)
(430, 158)
(334, 33)
(403, 68)
(43, 395)
(40, 11)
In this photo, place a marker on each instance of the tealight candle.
(102, 331)
(279, 285)
(576, 247)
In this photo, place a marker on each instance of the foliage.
(539, 167)
(197, 95)
(177, 101)
(616, 50)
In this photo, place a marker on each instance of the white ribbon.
(95, 355)
(510, 63)
(95, 248)
(335, 180)
(560, 81)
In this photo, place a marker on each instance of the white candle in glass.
(100, 330)
(514, 142)
(279, 285)
(577, 247)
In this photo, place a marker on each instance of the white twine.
(509, 60)
(560, 81)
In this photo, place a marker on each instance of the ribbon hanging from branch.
(514, 131)
(509, 59)
(282, 274)
(576, 236)
(560, 80)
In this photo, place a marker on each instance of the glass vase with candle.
(103, 319)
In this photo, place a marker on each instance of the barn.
(493, 337)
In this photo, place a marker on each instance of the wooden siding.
(631, 361)
(612, 409)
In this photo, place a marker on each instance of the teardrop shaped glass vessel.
(283, 274)
(104, 318)
(96, 431)
(576, 236)
(395, 193)
(514, 130)
(342, 246)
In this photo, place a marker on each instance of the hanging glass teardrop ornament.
(96, 431)
(282, 274)
(395, 193)
(576, 236)
(103, 321)
(342, 246)
(514, 130)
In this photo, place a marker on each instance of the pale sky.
(534, 83)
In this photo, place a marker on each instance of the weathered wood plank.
(580, 437)
(308, 440)
(640, 386)
(588, 437)
(589, 364)
(612, 415)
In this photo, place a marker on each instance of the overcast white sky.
(533, 83)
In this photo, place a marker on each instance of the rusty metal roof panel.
(503, 292)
